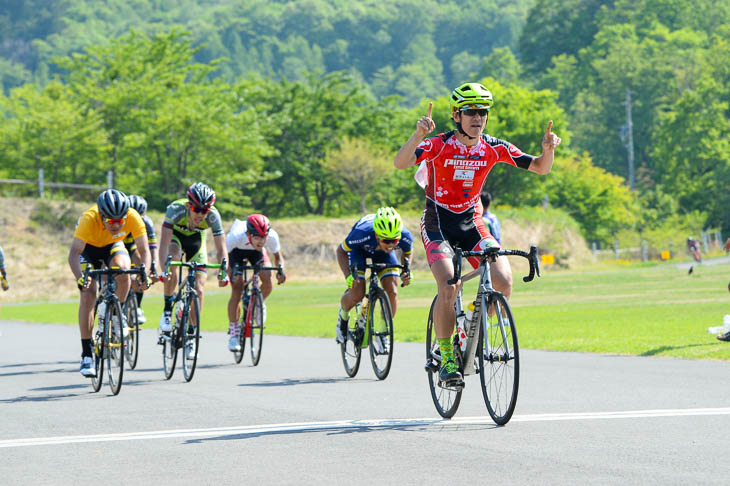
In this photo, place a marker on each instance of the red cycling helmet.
(258, 225)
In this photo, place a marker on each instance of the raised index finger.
(549, 128)
(430, 108)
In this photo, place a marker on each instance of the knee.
(447, 292)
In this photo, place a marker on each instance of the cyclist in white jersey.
(251, 240)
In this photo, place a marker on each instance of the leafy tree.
(557, 27)
(360, 166)
(598, 200)
(50, 130)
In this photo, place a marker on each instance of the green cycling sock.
(344, 315)
(447, 350)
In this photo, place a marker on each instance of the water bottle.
(721, 329)
(179, 311)
(101, 310)
(461, 325)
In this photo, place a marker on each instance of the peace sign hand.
(426, 125)
(550, 140)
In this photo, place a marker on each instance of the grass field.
(655, 310)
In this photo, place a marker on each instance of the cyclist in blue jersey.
(3, 276)
(491, 221)
(374, 236)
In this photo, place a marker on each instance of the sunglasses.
(391, 241)
(476, 111)
(200, 210)
(115, 220)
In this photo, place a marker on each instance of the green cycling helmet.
(471, 94)
(387, 224)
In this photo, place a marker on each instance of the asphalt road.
(297, 419)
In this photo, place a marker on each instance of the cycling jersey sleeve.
(354, 240)
(406, 241)
(135, 224)
(150, 227)
(214, 222)
(430, 147)
(272, 242)
(174, 214)
(236, 236)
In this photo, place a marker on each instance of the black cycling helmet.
(137, 203)
(112, 204)
(201, 195)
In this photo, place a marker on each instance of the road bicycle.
(108, 341)
(130, 309)
(252, 311)
(485, 342)
(371, 325)
(185, 333)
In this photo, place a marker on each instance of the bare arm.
(406, 156)
(343, 261)
(544, 163)
(144, 251)
(165, 238)
(77, 246)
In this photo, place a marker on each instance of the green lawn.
(650, 311)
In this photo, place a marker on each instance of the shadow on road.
(354, 428)
(310, 381)
(661, 349)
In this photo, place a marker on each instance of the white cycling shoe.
(234, 344)
(166, 321)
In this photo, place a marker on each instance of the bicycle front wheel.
(171, 341)
(257, 327)
(499, 359)
(191, 336)
(380, 330)
(115, 346)
(97, 351)
(131, 342)
(445, 398)
(351, 349)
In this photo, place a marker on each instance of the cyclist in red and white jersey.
(251, 240)
(456, 164)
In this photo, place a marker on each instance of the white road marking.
(353, 424)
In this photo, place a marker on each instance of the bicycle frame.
(184, 290)
(252, 283)
(372, 286)
(484, 290)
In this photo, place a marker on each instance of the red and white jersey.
(238, 238)
(456, 173)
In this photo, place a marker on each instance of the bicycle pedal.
(456, 385)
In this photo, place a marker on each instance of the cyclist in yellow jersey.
(98, 241)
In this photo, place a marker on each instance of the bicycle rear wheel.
(499, 360)
(191, 337)
(257, 327)
(446, 399)
(171, 341)
(351, 349)
(238, 355)
(97, 353)
(131, 342)
(380, 329)
(115, 346)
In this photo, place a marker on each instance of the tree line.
(164, 106)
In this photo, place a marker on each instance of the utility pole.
(630, 139)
